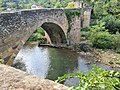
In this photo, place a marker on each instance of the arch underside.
(55, 32)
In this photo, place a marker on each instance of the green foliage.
(27, 6)
(53, 3)
(70, 14)
(1, 61)
(58, 5)
(100, 37)
(102, 40)
(112, 24)
(104, 7)
(38, 35)
(71, 5)
(96, 79)
(85, 33)
(1, 9)
(41, 31)
(103, 33)
(117, 42)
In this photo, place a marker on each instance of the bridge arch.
(55, 32)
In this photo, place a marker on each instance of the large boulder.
(14, 79)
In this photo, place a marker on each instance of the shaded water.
(47, 62)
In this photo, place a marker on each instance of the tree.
(71, 5)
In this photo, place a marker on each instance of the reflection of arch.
(55, 32)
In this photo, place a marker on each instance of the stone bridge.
(17, 27)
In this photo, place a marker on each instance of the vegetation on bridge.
(71, 14)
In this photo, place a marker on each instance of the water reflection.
(36, 60)
(51, 63)
(62, 62)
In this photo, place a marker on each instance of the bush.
(112, 24)
(38, 35)
(103, 40)
(85, 29)
(117, 42)
(58, 5)
(96, 79)
(71, 5)
(1, 9)
(100, 37)
(40, 31)
(27, 6)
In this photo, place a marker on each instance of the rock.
(114, 57)
(14, 79)
(88, 53)
(88, 63)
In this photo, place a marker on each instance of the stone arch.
(55, 32)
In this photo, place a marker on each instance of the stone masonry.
(17, 27)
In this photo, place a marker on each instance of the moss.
(1, 61)
(70, 14)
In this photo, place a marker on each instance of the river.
(50, 63)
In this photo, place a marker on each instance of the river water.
(50, 63)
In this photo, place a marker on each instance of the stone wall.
(85, 20)
(74, 34)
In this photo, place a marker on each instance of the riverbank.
(107, 57)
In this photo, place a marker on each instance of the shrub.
(58, 5)
(117, 42)
(103, 40)
(100, 37)
(40, 31)
(84, 33)
(27, 6)
(38, 35)
(1, 9)
(85, 29)
(112, 24)
(71, 5)
(96, 79)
